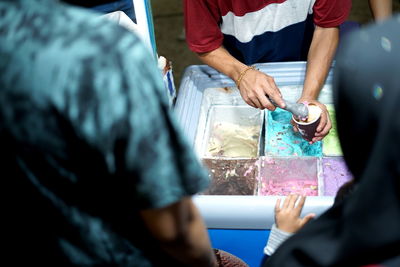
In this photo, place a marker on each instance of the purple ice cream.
(335, 174)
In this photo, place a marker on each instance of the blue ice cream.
(281, 140)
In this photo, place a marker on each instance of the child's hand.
(287, 217)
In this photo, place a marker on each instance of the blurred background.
(168, 24)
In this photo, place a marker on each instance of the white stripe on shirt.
(271, 18)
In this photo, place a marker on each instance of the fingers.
(326, 128)
(256, 102)
(258, 96)
(256, 99)
(273, 92)
(307, 218)
(259, 100)
(247, 99)
(278, 205)
(300, 205)
(265, 101)
(323, 121)
(255, 89)
(287, 217)
(286, 202)
(292, 201)
(325, 125)
(249, 102)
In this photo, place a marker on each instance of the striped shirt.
(260, 31)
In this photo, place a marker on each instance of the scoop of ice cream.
(313, 113)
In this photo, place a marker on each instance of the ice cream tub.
(232, 131)
(335, 174)
(282, 176)
(231, 176)
(282, 141)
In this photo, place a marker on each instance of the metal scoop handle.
(298, 110)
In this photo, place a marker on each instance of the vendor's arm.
(381, 9)
(205, 38)
(254, 85)
(320, 56)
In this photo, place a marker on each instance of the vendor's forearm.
(320, 56)
(221, 60)
(381, 9)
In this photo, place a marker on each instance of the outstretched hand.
(287, 217)
(254, 88)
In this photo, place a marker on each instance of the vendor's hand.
(287, 217)
(254, 88)
(325, 123)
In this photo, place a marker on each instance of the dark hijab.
(364, 228)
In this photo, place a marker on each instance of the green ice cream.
(331, 144)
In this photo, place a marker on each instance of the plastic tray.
(197, 93)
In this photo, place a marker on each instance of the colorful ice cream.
(285, 176)
(335, 174)
(281, 140)
(231, 177)
(331, 144)
(233, 140)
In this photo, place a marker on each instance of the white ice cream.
(313, 113)
(233, 140)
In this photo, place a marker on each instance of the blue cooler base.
(245, 244)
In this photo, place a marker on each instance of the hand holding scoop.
(299, 110)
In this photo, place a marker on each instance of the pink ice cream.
(285, 176)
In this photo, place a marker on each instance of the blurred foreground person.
(107, 6)
(364, 227)
(94, 167)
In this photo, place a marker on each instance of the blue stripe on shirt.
(289, 44)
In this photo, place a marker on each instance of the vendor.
(230, 36)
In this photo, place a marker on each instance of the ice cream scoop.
(299, 110)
